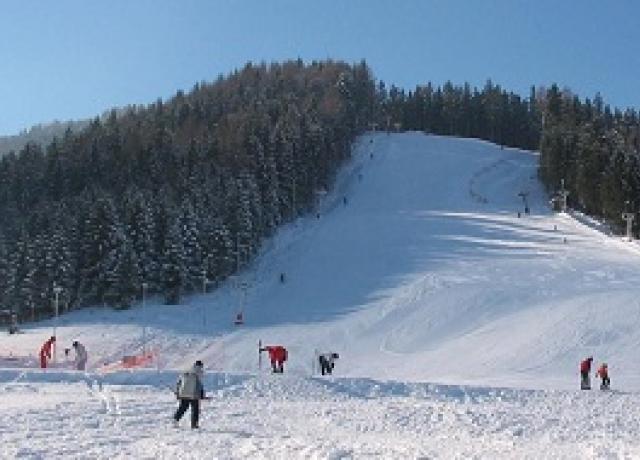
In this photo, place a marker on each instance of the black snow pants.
(277, 367)
(325, 366)
(195, 411)
(585, 383)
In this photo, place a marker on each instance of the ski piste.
(459, 326)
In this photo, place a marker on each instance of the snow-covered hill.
(418, 269)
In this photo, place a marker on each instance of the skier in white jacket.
(80, 361)
(189, 391)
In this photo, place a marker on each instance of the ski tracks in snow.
(268, 416)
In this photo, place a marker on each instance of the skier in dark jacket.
(585, 369)
(327, 362)
(189, 391)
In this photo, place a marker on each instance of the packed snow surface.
(460, 326)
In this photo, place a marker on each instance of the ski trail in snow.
(17, 379)
(110, 404)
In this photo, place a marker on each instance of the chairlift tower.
(144, 317)
(629, 217)
(319, 195)
(242, 286)
(524, 196)
(56, 292)
(563, 194)
(205, 283)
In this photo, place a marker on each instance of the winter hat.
(199, 363)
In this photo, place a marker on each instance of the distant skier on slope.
(45, 352)
(277, 355)
(603, 373)
(189, 391)
(585, 369)
(80, 361)
(327, 362)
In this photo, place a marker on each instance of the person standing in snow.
(585, 369)
(80, 361)
(277, 355)
(327, 362)
(603, 373)
(45, 352)
(189, 391)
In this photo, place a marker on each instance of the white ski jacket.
(189, 384)
(81, 354)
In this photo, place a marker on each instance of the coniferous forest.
(181, 193)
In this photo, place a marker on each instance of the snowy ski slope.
(438, 298)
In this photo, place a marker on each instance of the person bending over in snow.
(45, 351)
(80, 360)
(277, 355)
(585, 369)
(189, 391)
(327, 362)
(603, 373)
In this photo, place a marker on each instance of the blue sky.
(71, 59)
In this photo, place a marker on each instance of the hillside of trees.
(180, 194)
(176, 192)
(42, 134)
(596, 152)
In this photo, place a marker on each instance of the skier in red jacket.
(277, 355)
(603, 373)
(45, 351)
(585, 369)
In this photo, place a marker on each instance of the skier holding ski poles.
(189, 391)
(277, 355)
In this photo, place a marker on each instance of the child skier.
(277, 355)
(80, 360)
(45, 352)
(585, 369)
(189, 391)
(603, 373)
(327, 362)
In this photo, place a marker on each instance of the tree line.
(180, 194)
(594, 151)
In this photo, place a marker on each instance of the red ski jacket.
(603, 372)
(46, 348)
(277, 353)
(585, 366)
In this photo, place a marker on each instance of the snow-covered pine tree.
(173, 267)
(192, 257)
(140, 229)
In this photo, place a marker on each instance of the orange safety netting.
(130, 362)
